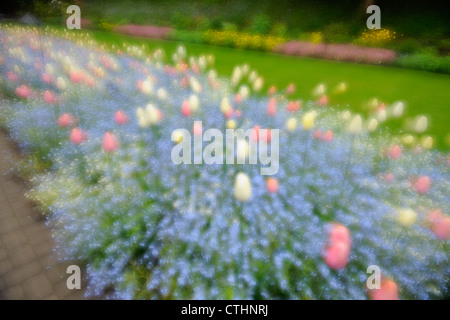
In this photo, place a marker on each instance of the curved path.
(29, 268)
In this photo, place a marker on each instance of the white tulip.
(382, 115)
(161, 94)
(147, 87)
(151, 114)
(421, 124)
(194, 103)
(224, 105)
(355, 125)
(60, 83)
(398, 109)
(242, 187)
(372, 125)
(258, 84)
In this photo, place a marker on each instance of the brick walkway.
(28, 266)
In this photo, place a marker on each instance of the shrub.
(204, 24)
(261, 24)
(407, 46)
(336, 33)
(425, 62)
(279, 30)
(187, 36)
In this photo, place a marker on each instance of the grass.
(424, 92)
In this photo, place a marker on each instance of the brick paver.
(29, 268)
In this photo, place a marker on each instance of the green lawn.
(424, 92)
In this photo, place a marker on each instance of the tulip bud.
(242, 187)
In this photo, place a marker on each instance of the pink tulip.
(238, 113)
(318, 135)
(65, 120)
(272, 185)
(272, 108)
(47, 78)
(195, 69)
(272, 90)
(184, 82)
(442, 229)
(159, 114)
(336, 256)
(293, 106)
(12, 77)
(388, 291)
(110, 143)
(290, 88)
(76, 76)
(238, 98)
(90, 82)
(197, 129)
(23, 92)
(340, 233)
(49, 97)
(435, 216)
(120, 117)
(328, 136)
(77, 136)
(323, 101)
(338, 251)
(229, 113)
(139, 84)
(389, 177)
(423, 185)
(186, 109)
(395, 152)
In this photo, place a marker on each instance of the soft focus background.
(414, 35)
(364, 148)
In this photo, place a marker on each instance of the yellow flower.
(406, 217)
(308, 120)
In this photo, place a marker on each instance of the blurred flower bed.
(97, 129)
(340, 52)
(242, 40)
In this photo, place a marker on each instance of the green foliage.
(104, 25)
(228, 26)
(187, 36)
(204, 24)
(337, 33)
(181, 21)
(280, 30)
(407, 46)
(425, 62)
(261, 24)
(216, 24)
